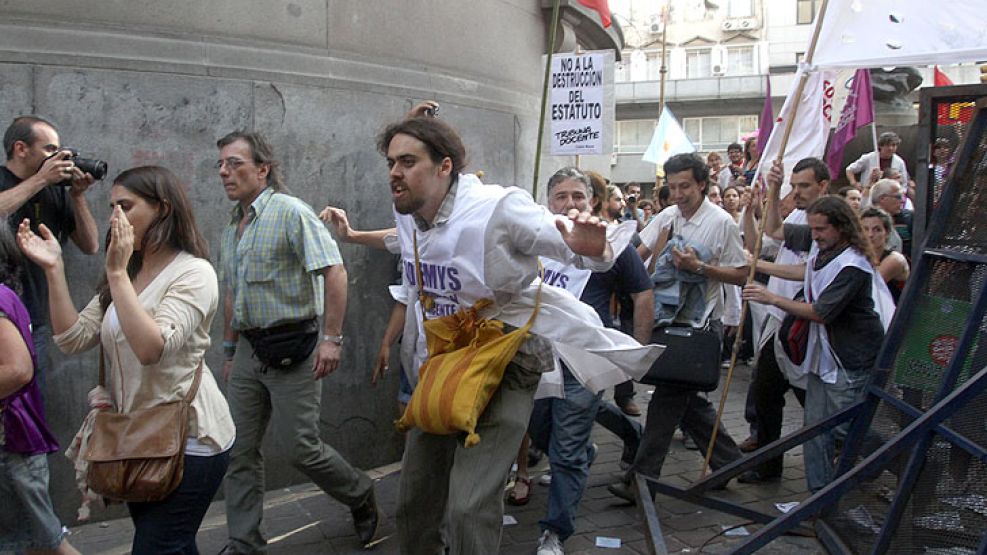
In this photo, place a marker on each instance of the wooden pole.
(662, 72)
(768, 205)
(553, 26)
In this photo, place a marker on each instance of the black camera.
(92, 166)
(631, 199)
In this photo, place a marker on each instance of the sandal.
(518, 500)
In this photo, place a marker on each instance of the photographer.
(41, 182)
(632, 194)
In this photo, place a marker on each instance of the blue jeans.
(27, 518)
(169, 526)
(564, 425)
(822, 400)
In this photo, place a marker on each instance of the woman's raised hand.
(121, 242)
(45, 251)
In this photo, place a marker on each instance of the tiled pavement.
(301, 520)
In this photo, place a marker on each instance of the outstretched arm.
(336, 217)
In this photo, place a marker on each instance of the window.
(634, 136)
(739, 8)
(740, 60)
(697, 63)
(654, 65)
(806, 11)
(716, 133)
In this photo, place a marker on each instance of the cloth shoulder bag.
(139, 456)
(467, 356)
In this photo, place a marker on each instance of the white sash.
(820, 358)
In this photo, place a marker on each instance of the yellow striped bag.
(467, 355)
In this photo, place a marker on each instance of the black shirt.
(847, 306)
(627, 276)
(51, 207)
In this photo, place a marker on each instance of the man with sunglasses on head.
(281, 271)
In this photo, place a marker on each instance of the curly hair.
(839, 215)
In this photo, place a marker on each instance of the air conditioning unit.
(718, 69)
(741, 24)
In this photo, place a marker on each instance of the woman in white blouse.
(151, 315)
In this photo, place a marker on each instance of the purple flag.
(858, 112)
(767, 121)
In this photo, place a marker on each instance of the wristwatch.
(337, 339)
(701, 269)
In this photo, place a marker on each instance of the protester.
(887, 195)
(883, 158)
(852, 196)
(151, 318)
(451, 497)
(848, 309)
(30, 188)
(27, 518)
(663, 197)
(613, 205)
(648, 209)
(776, 373)
(561, 426)
(715, 163)
(713, 194)
(699, 228)
(733, 170)
(731, 202)
(281, 271)
(893, 266)
(633, 212)
(940, 163)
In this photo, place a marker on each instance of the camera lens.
(95, 168)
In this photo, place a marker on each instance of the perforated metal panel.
(945, 509)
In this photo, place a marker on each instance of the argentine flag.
(669, 139)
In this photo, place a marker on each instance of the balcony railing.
(678, 90)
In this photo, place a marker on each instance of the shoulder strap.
(422, 298)
(188, 396)
(534, 313)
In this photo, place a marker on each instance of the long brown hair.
(175, 226)
(839, 215)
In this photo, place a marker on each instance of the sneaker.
(368, 519)
(550, 544)
(591, 452)
(545, 479)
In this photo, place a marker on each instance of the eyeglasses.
(897, 196)
(231, 163)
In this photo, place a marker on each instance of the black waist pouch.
(284, 346)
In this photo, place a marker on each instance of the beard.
(408, 204)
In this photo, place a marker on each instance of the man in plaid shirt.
(281, 271)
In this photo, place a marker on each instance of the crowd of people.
(581, 271)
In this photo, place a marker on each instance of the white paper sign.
(577, 87)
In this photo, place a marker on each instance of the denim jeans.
(564, 425)
(628, 429)
(27, 518)
(821, 401)
(169, 526)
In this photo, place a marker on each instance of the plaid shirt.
(272, 268)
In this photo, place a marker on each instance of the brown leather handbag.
(139, 456)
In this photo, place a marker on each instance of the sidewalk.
(302, 520)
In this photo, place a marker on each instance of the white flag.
(669, 139)
(885, 33)
(811, 128)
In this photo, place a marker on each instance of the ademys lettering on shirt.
(566, 277)
(451, 255)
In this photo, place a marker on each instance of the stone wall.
(158, 82)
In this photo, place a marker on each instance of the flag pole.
(662, 71)
(544, 95)
(767, 205)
